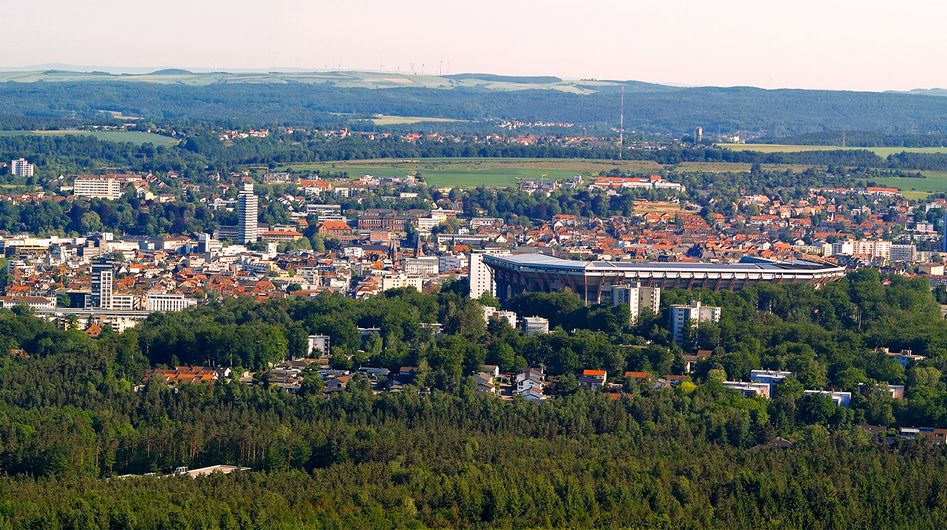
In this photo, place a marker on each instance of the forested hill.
(308, 99)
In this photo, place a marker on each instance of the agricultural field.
(917, 188)
(135, 137)
(382, 120)
(780, 148)
(473, 172)
(736, 167)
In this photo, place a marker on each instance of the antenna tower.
(621, 124)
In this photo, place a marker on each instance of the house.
(593, 379)
(841, 399)
(336, 384)
(485, 383)
(749, 390)
(690, 361)
(531, 378)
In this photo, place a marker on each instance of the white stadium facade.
(518, 273)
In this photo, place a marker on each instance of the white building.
(21, 168)
(637, 298)
(423, 266)
(492, 312)
(401, 281)
(102, 276)
(749, 390)
(449, 262)
(841, 399)
(318, 343)
(691, 315)
(535, 325)
(97, 187)
(903, 253)
(168, 302)
(248, 206)
(480, 276)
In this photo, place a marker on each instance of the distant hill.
(540, 79)
(334, 98)
(170, 71)
(930, 91)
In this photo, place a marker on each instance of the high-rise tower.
(247, 203)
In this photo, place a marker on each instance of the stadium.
(515, 274)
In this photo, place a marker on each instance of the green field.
(472, 172)
(915, 188)
(135, 137)
(780, 148)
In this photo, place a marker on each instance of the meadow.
(915, 188)
(780, 148)
(135, 137)
(473, 172)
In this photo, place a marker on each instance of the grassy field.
(778, 148)
(915, 188)
(136, 137)
(382, 119)
(472, 172)
(735, 167)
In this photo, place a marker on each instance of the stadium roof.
(745, 265)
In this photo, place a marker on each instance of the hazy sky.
(850, 44)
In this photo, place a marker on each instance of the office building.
(21, 168)
(690, 316)
(248, 206)
(168, 302)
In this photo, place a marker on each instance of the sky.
(831, 44)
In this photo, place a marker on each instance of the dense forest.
(696, 454)
(649, 108)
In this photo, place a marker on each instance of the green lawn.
(779, 148)
(472, 172)
(136, 137)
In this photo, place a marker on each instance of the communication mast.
(621, 124)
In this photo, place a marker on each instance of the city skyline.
(845, 45)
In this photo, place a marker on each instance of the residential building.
(535, 325)
(480, 276)
(423, 266)
(593, 379)
(749, 389)
(97, 187)
(248, 206)
(401, 281)
(636, 298)
(770, 377)
(490, 312)
(21, 168)
(842, 399)
(102, 278)
(691, 315)
(318, 343)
